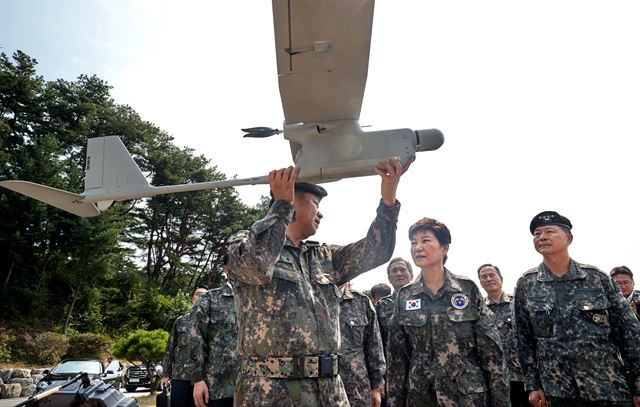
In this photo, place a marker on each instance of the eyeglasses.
(625, 282)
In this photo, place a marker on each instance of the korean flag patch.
(414, 304)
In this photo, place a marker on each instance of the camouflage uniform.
(444, 349)
(635, 298)
(571, 332)
(384, 310)
(362, 363)
(175, 363)
(288, 307)
(213, 335)
(505, 321)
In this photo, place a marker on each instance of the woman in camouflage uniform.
(444, 347)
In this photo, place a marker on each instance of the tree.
(64, 273)
(146, 347)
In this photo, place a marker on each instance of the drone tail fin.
(67, 201)
(110, 167)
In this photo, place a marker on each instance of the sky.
(539, 103)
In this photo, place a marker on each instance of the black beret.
(317, 190)
(549, 218)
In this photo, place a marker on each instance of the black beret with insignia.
(317, 190)
(549, 218)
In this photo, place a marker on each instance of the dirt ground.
(147, 401)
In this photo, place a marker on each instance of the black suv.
(136, 376)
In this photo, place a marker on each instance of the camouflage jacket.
(505, 321)
(635, 298)
(571, 332)
(213, 336)
(447, 344)
(384, 310)
(287, 299)
(175, 363)
(362, 365)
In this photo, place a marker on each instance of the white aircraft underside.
(322, 54)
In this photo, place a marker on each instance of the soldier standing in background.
(361, 359)
(215, 362)
(380, 291)
(287, 295)
(501, 304)
(574, 328)
(399, 273)
(623, 277)
(176, 357)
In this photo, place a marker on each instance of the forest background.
(69, 283)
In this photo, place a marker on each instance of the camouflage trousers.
(432, 399)
(252, 391)
(562, 402)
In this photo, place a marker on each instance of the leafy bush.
(5, 345)
(89, 345)
(49, 347)
(44, 348)
(145, 346)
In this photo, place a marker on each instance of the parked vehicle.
(114, 373)
(69, 368)
(136, 376)
(81, 390)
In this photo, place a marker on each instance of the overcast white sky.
(539, 103)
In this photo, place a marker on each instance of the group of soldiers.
(287, 329)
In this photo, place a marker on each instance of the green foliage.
(5, 345)
(134, 266)
(89, 345)
(49, 347)
(145, 346)
(44, 348)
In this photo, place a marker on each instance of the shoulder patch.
(461, 277)
(589, 266)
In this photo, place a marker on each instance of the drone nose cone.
(429, 140)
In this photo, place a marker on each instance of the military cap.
(547, 218)
(317, 190)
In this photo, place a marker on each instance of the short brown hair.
(624, 270)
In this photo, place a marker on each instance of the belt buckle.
(297, 368)
(325, 366)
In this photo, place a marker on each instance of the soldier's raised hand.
(390, 171)
(282, 183)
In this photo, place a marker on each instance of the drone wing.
(322, 52)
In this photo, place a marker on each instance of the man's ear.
(570, 236)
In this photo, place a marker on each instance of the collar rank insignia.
(459, 301)
(598, 318)
(414, 304)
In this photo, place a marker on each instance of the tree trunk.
(44, 269)
(6, 280)
(73, 304)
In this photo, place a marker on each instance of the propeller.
(260, 132)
